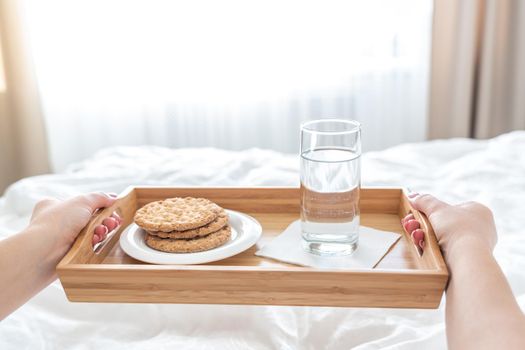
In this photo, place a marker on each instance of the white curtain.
(229, 74)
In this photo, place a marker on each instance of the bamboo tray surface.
(402, 278)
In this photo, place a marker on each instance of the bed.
(489, 171)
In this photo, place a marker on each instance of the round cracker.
(213, 240)
(215, 225)
(176, 214)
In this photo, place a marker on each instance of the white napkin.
(287, 247)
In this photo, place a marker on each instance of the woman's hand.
(467, 235)
(61, 221)
(28, 259)
(457, 227)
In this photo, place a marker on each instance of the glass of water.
(330, 181)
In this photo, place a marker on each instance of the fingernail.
(99, 230)
(96, 238)
(411, 225)
(415, 241)
(113, 194)
(413, 195)
(418, 234)
(111, 223)
(407, 217)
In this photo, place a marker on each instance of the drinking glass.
(330, 182)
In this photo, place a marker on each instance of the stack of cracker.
(183, 225)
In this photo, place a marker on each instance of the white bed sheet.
(491, 171)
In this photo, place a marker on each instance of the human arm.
(481, 311)
(28, 259)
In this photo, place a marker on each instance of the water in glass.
(330, 181)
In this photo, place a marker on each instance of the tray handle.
(82, 250)
(431, 255)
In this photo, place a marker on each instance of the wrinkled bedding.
(489, 171)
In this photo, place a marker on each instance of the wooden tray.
(402, 279)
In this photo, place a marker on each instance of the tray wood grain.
(401, 279)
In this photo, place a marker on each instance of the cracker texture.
(176, 214)
(212, 240)
(215, 225)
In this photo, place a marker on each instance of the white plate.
(246, 231)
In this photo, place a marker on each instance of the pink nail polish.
(411, 225)
(99, 230)
(418, 234)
